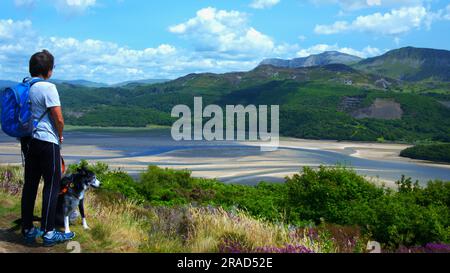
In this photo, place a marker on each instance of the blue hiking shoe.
(69, 236)
(31, 235)
(55, 237)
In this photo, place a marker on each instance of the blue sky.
(118, 40)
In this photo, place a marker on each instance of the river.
(230, 162)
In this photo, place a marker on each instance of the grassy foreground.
(325, 210)
(122, 225)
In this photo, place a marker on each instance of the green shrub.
(436, 192)
(402, 221)
(98, 168)
(158, 184)
(411, 215)
(336, 195)
(121, 182)
(266, 200)
(431, 152)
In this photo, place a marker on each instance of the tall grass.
(218, 230)
(115, 227)
(11, 179)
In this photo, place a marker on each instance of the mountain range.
(86, 83)
(139, 82)
(91, 84)
(328, 57)
(407, 64)
(4, 84)
(410, 64)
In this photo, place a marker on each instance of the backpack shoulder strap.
(43, 115)
(32, 81)
(39, 120)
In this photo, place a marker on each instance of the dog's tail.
(19, 222)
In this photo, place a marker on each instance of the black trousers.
(42, 159)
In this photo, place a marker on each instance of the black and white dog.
(73, 189)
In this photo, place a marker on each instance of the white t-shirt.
(44, 95)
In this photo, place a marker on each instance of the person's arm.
(57, 116)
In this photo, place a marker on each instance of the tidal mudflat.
(233, 162)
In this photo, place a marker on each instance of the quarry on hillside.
(386, 109)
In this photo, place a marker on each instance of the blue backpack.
(17, 119)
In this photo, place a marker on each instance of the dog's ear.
(82, 166)
(82, 170)
(85, 169)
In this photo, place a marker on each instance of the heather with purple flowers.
(229, 246)
(428, 248)
(11, 180)
(285, 249)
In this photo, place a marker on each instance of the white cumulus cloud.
(447, 12)
(25, 3)
(320, 48)
(224, 32)
(263, 4)
(87, 59)
(104, 61)
(395, 22)
(351, 5)
(73, 6)
(223, 42)
(65, 6)
(10, 29)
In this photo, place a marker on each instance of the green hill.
(410, 64)
(328, 57)
(431, 152)
(84, 83)
(5, 84)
